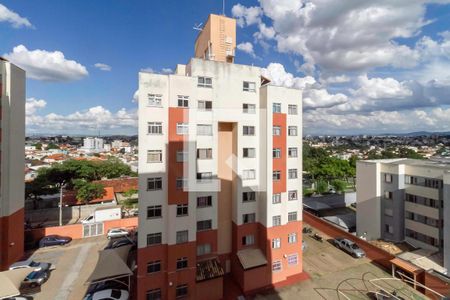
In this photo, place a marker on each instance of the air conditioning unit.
(230, 53)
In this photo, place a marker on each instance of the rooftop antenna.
(223, 7)
(198, 27)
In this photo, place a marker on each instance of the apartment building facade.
(405, 200)
(219, 175)
(12, 143)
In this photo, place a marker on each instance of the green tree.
(321, 186)
(52, 146)
(38, 146)
(339, 185)
(90, 191)
(130, 193)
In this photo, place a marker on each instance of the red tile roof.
(70, 197)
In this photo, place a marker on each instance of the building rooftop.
(441, 163)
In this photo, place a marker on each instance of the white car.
(117, 233)
(110, 294)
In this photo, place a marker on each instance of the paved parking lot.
(73, 264)
(329, 268)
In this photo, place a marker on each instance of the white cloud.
(135, 97)
(246, 47)
(92, 119)
(344, 36)
(335, 79)
(166, 71)
(32, 105)
(45, 65)
(148, 70)
(103, 67)
(381, 88)
(9, 16)
(246, 15)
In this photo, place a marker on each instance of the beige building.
(12, 157)
(405, 200)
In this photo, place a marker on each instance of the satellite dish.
(198, 26)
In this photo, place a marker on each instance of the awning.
(398, 262)
(112, 263)
(11, 281)
(209, 269)
(251, 258)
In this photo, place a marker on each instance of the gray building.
(405, 200)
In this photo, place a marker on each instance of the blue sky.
(388, 63)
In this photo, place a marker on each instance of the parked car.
(19, 298)
(53, 240)
(116, 243)
(106, 285)
(109, 294)
(29, 263)
(350, 247)
(36, 278)
(117, 233)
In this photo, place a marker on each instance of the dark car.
(116, 243)
(35, 279)
(53, 240)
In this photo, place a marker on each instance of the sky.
(364, 66)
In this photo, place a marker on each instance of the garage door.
(92, 229)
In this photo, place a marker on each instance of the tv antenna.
(198, 27)
(223, 7)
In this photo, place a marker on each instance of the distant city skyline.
(371, 67)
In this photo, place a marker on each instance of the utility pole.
(60, 204)
(223, 7)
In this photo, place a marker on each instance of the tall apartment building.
(12, 143)
(220, 170)
(405, 200)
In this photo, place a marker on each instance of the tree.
(52, 146)
(38, 146)
(130, 193)
(112, 168)
(339, 185)
(90, 191)
(321, 186)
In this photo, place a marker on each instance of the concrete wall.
(70, 214)
(446, 212)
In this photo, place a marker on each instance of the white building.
(93, 144)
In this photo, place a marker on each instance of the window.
(292, 238)
(181, 291)
(180, 183)
(388, 178)
(204, 201)
(154, 156)
(276, 220)
(154, 238)
(276, 266)
(204, 153)
(276, 243)
(292, 152)
(182, 128)
(248, 240)
(182, 156)
(203, 249)
(276, 107)
(292, 109)
(154, 184)
(276, 175)
(249, 152)
(204, 82)
(248, 174)
(248, 196)
(276, 198)
(204, 176)
(154, 266)
(276, 153)
(248, 218)
(248, 86)
(182, 210)
(292, 195)
(292, 259)
(204, 105)
(204, 225)
(154, 211)
(183, 101)
(389, 228)
(292, 216)
(249, 130)
(204, 129)
(387, 195)
(182, 236)
(182, 263)
(276, 130)
(292, 173)
(154, 100)
(154, 127)
(248, 108)
(292, 130)
(154, 294)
